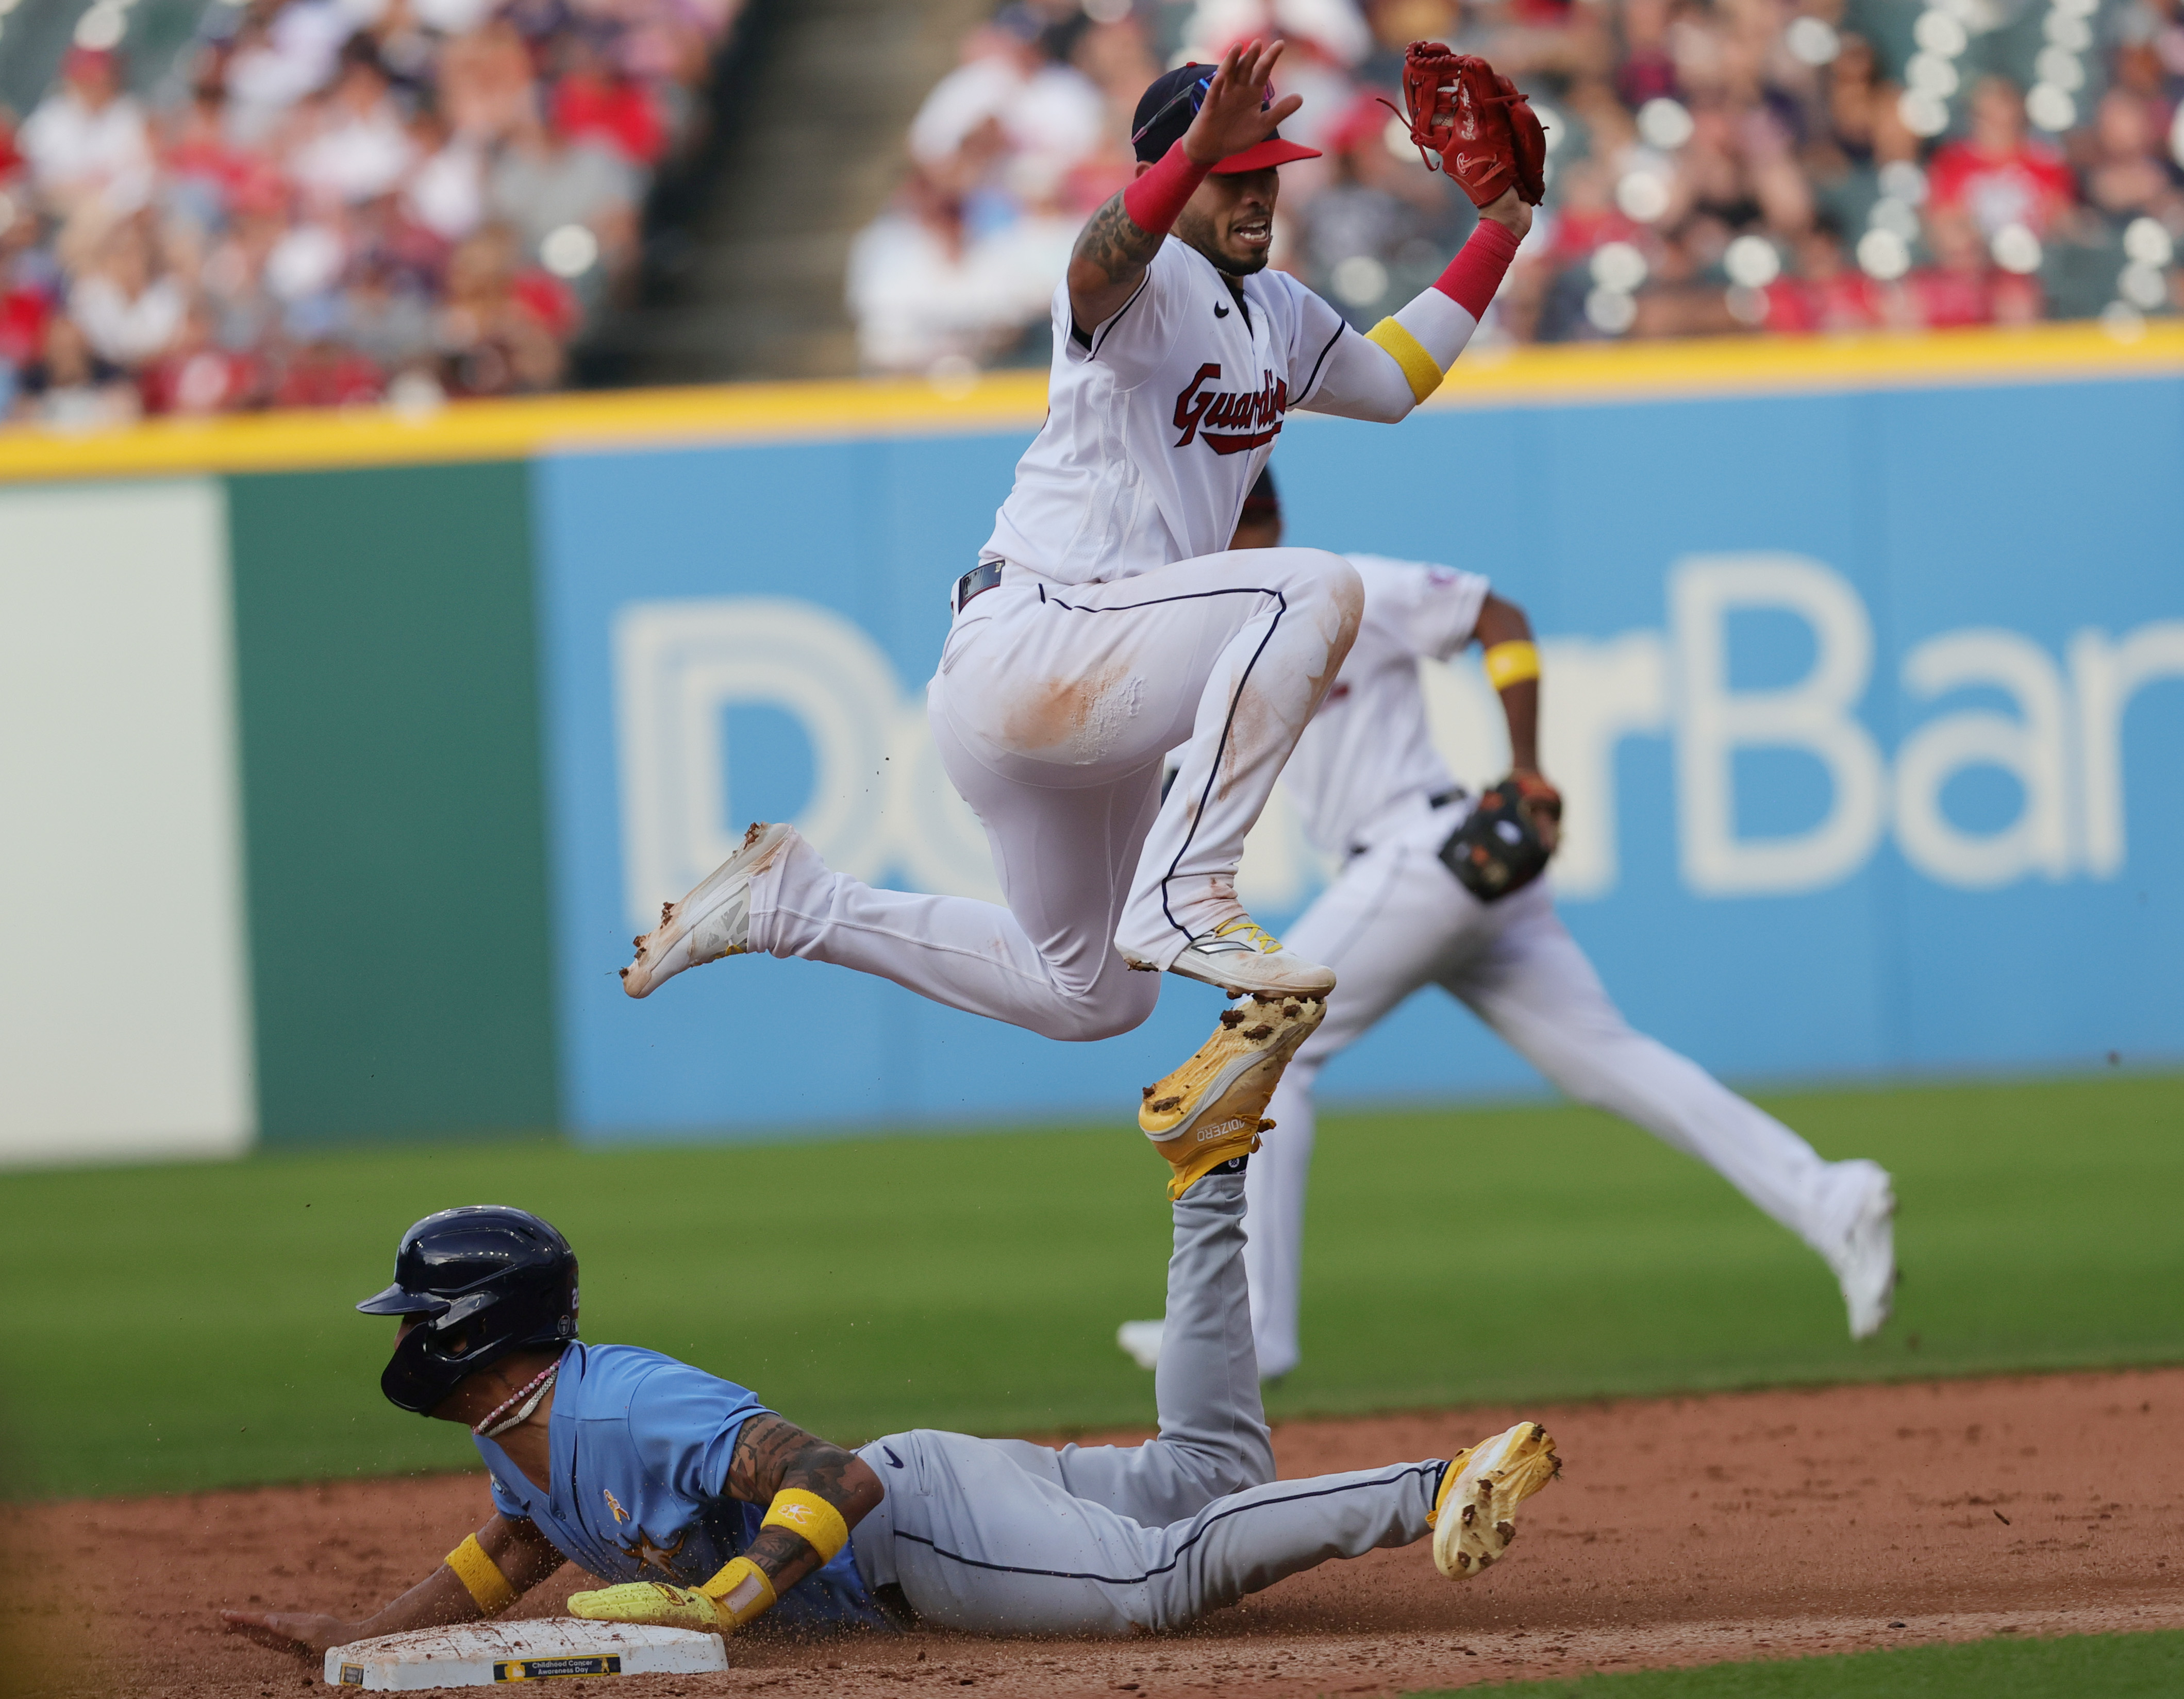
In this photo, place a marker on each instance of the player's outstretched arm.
(1119, 240)
(815, 1493)
(1383, 373)
(1513, 667)
(1493, 147)
(521, 1556)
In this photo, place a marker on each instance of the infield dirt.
(1763, 1524)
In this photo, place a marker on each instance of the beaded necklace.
(528, 1397)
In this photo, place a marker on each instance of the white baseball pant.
(1395, 919)
(1053, 708)
(1003, 1536)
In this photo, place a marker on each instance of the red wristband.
(1153, 200)
(1479, 267)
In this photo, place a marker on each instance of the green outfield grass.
(2116, 1666)
(185, 1326)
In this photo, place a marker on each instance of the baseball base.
(482, 1654)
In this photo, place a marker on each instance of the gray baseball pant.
(1004, 1536)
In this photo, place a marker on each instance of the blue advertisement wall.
(1868, 707)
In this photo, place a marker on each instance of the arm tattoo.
(770, 1454)
(1111, 241)
(782, 1552)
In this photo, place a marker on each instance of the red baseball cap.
(1273, 151)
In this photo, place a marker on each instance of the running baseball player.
(1438, 887)
(1107, 623)
(701, 1509)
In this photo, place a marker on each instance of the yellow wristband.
(741, 1590)
(481, 1577)
(810, 1516)
(1419, 367)
(1512, 664)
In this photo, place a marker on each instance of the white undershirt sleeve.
(1383, 374)
(1360, 380)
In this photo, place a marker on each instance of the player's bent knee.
(1346, 589)
(1309, 570)
(1107, 1011)
(1315, 577)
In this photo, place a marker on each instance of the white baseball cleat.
(1865, 1258)
(713, 921)
(1241, 957)
(1142, 1340)
(1474, 1514)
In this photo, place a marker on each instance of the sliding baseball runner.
(1439, 887)
(1108, 622)
(699, 1507)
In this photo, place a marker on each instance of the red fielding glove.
(1475, 122)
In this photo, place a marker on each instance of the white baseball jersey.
(1159, 421)
(1367, 753)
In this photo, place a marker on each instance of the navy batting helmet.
(488, 1280)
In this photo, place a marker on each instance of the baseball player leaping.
(703, 1509)
(1440, 888)
(1107, 623)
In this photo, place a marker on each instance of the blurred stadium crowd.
(325, 202)
(1716, 165)
(332, 202)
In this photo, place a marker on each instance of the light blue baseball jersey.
(640, 1445)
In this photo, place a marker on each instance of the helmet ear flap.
(418, 1379)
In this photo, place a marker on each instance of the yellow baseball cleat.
(1209, 1110)
(1474, 1514)
(653, 1603)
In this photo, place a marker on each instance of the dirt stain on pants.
(1080, 720)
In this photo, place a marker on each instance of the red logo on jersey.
(1230, 423)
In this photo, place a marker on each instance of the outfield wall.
(344, 753)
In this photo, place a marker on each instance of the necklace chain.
(528, 1397)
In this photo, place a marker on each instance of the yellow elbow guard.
(1419, 367)
(809, 1516)
(481, 1577)
(740, 1591)
(1512, 664)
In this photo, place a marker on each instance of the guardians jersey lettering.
(1159, 420)
(1233, 424)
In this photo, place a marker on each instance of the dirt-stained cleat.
(1241, 957)
(1210, 1109)
(713, 921)
(1474, 1515)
